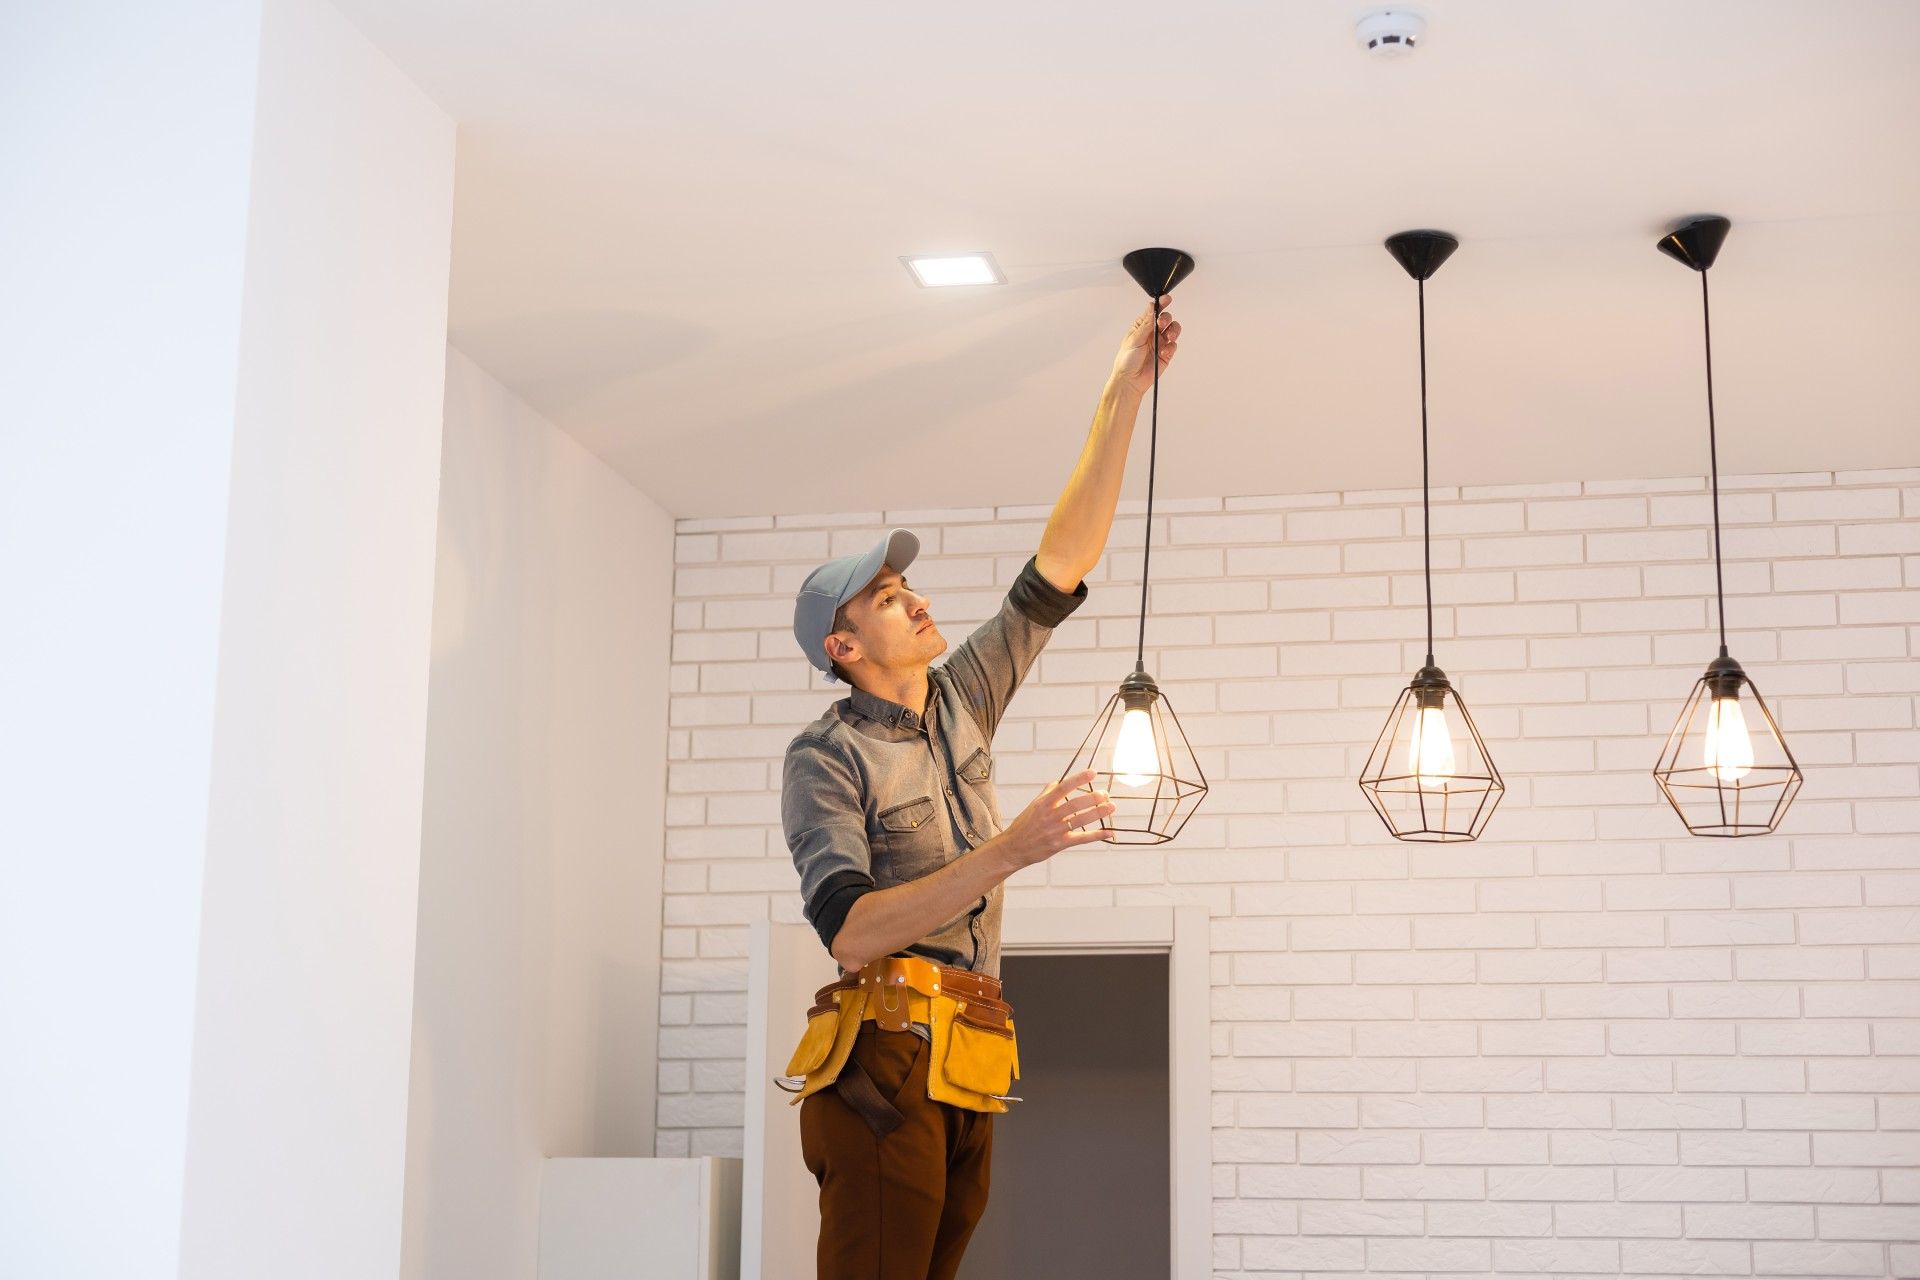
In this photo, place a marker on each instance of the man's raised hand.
(1133, 366)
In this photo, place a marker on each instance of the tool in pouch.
(974, 1056)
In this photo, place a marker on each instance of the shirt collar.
(892, 714)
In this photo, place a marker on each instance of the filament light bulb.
(1430, 749)
(1136, 759)
(1729, 748)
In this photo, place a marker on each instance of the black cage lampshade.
(1136, 748)
(1429, 775)
(1141, 758)
(1725, 769)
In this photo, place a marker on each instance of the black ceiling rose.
(1422, 252)
(1157, 271)
(1696, 242)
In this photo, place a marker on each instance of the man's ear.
(839, 650)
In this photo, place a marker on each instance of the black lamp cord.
(1713, 460)
(1153, 445)
(1426, 488)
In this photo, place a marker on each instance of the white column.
(123, 190)
(297, 1140)
(221, 339)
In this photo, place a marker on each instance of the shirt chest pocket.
(910, 835)
(976, 774)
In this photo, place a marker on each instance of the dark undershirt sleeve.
(990, 664)
(1044, 604)
(825, 824)
(827, 909)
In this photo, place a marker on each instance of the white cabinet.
(640, 1219)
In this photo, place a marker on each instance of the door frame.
(779, 1217)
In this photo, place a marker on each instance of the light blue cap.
(838, 581)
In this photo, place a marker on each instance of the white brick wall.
(1586, 1044)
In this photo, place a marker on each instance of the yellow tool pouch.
(975, 1057)
(973, 1060)
(827, 1042)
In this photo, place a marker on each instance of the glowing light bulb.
(1136, 760)
(1430, 749)
(1729, 749)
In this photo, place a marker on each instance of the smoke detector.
(1390, 33)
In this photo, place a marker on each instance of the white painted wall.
(539, 946)
(119, 350)
(1586, 1043)
(297, 1133)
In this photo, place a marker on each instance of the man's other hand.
(1056, 818)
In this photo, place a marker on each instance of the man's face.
(889, 627)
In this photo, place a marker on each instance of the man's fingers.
(1083, 801)
(1145, 319)
(1092, 818)
(1072, 782)
(1088, 836)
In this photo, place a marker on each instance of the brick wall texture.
(1587, 1043)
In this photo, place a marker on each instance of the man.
(891, 817)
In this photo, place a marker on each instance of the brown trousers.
(903, 1206)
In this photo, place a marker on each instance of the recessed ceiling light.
(954, 268)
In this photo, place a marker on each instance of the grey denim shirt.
(875, 795)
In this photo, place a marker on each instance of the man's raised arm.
(1077, 530)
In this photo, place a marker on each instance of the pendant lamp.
(1138, 752)
(1725, 769)
(1429, 776)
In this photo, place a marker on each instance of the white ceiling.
(678, 228)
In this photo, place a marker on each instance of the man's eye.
(886, 602)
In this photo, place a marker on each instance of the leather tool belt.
(974, 1056)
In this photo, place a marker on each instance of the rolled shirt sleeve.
(989, 666)
(826, 829)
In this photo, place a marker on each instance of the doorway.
(1082, 1179)
(779, 1218)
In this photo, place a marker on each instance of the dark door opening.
(1081, 1178)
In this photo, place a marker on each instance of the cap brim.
(895, 551)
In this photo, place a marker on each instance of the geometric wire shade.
(1725, 769)
(1149, 807)
(1428, 780)
(1137, 750)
